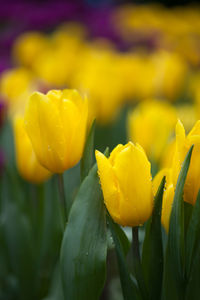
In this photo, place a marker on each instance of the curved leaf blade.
(87, 160)
(129, 289)
(84, 245)
(152, 254)
(176, 228)
(193, 234)
(193, 287)
(124, 241)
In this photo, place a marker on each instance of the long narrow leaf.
(152, 256)
(88, 154)
(129, 289)
(193, 287)
(84, 245)
(193, 234)
(124, 241)
(169, 287)
(176, 228)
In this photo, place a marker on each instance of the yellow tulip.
(56, 124)
(171, 74)
(183, 144)
(27, 163)
(168, 195)
(151, 125)
(126, 183)
(57, 63)
(100, 79)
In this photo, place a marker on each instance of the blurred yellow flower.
(195, 91)
(27, 163)
(98, 76)
(57, 63)
(126, 183)
(188, 115)
(183, 144)
(144, 76)
(27, 47)
(151, 124)
(16, 86)
(170, 76)
(168, 154)
(56, 124)
(168, 195)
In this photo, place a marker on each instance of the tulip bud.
(183, 144)
(27, 163)
(126, 183)
(56, 124)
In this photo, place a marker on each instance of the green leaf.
(193, 287)
(18, 239)
(176, 228)
(188, 208)
(55, 291)
(170, 289)
(84, 245)
(87, 160)
(152, 255)
(124, 241)
(129, 289)
(192, 236)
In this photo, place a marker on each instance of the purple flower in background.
(20, 16)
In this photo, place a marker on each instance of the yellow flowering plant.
(126, 201)
(116, 203)
(57, 125)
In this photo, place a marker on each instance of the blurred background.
(138, 62)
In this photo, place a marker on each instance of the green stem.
(62, 196)
(137, 263)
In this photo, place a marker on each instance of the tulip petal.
(29, 168)
(168, 198)
(108, 184)
(74, 97)
(195, 130)
(114, 153)
(43, 124)
(76, 144)
(180, 134)
(132, 170)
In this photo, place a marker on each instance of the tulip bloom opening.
(127, 184)
(57, 124)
